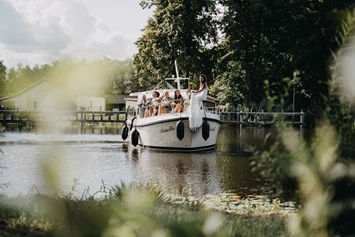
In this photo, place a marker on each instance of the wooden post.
(301, 118)
(241, 118)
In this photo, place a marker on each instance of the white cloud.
(42, 31)
(14, 30)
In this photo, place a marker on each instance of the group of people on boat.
(160, 105)
(165, 104)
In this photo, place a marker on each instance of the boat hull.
(160, 132)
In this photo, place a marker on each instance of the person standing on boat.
(196, 104)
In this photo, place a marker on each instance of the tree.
(181, 30)
(120, 77)
(22, 76)
(269, 40)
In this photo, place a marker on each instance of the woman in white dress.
(196, 104)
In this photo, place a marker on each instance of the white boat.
(171, 131)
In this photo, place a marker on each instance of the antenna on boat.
(177, 79)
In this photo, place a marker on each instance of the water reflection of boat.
(181, 173)
(171, 131)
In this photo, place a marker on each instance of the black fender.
(124, 133)
(205, 130)
(180, 130)
(135, 137)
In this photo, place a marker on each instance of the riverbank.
(143, 211)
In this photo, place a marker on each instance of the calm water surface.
(98, 155)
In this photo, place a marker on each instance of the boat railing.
(212, 109)
(208, 105)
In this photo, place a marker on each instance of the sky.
(43, 31)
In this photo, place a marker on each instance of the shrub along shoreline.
(143, 211)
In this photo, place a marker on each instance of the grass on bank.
(137, 211)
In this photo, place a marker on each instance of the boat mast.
(177, 75)
(177, 79)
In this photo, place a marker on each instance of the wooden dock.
(83, 117)
(33, 116)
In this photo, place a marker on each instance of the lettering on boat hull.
(168, 129)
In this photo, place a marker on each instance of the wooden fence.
(239, 118)
(263, 118)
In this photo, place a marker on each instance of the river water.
(45, 160)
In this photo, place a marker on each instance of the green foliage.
(326, 185)
(227, 88)
(268, 40)
(260, 41)
(119, 78)
(179, 30)
(129, 210)
(23, 76)
(323, 183)
(275, 165)
(275, 162)
(101, 77)
(340, 103)
(324, 170)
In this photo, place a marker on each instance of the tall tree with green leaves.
(21, 76)
(119, 78)
(239, 52)
(266, 41)
(182, 30)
